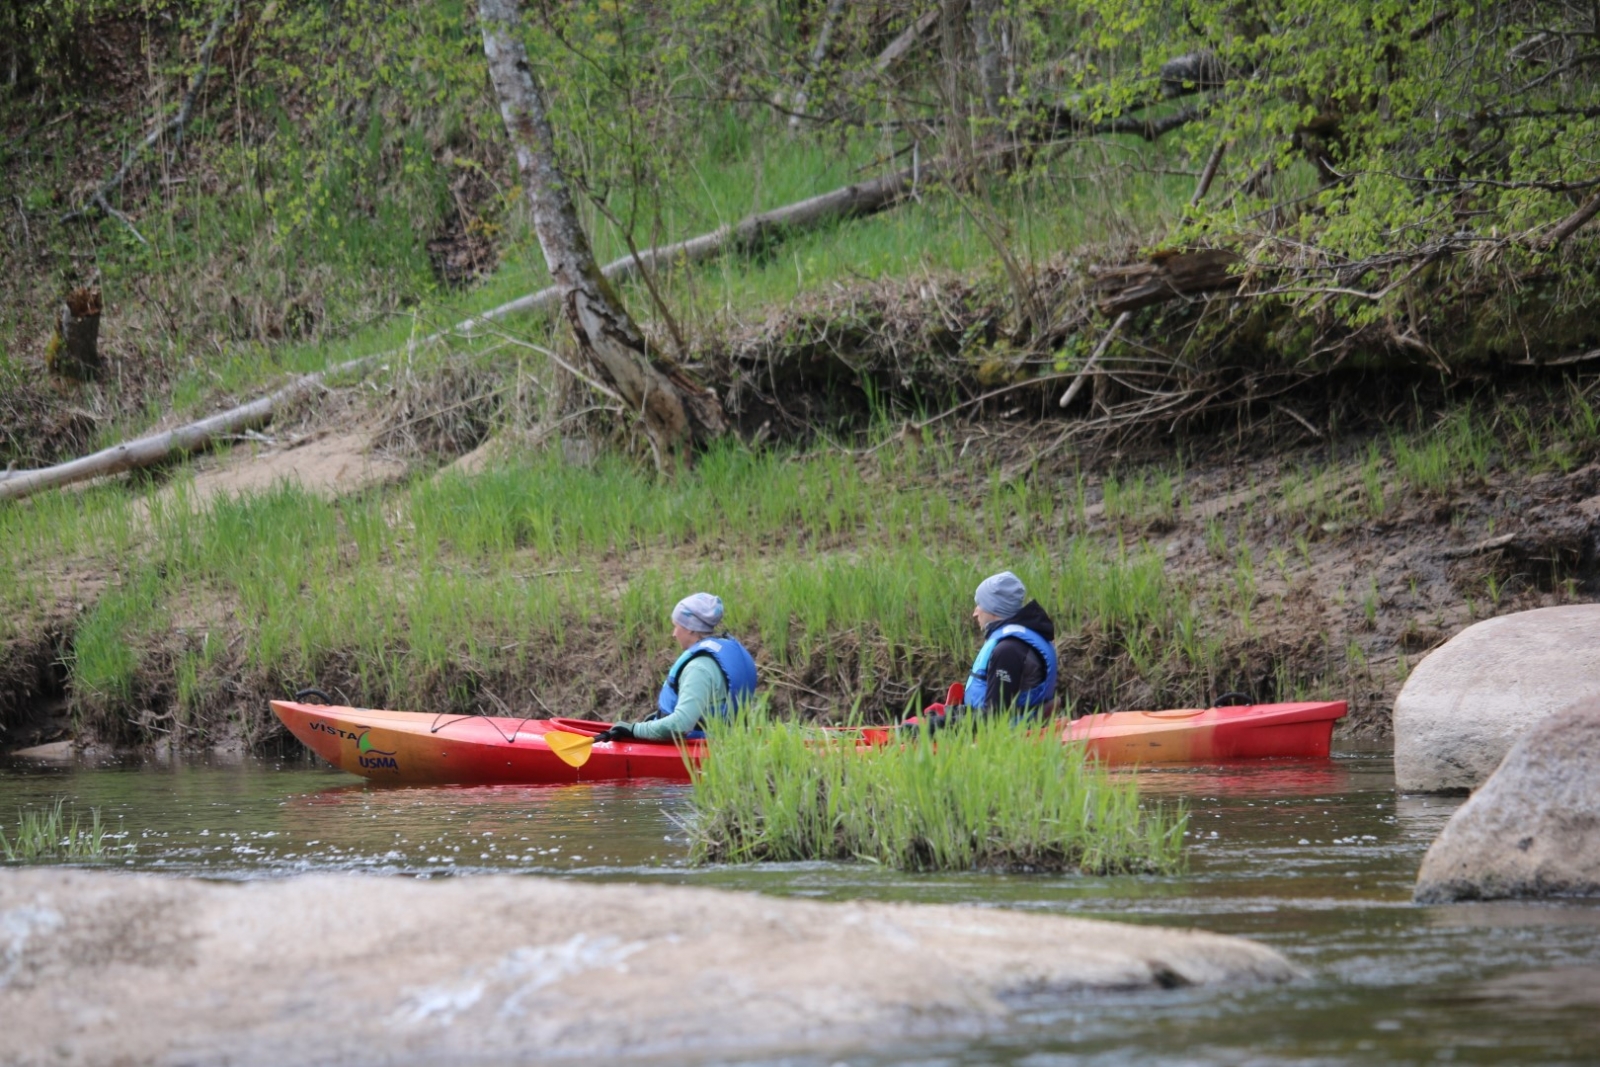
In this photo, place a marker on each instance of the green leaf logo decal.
(364, 745)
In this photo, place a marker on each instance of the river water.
(1315, 859)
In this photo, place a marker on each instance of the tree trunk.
(986, 41)
(953, 85)
(674, 409)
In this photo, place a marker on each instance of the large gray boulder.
(1468, 702)
(102, 968)
(1533, 829)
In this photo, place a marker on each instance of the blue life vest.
(978, 680)
(738, 670)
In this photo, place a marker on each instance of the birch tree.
(673, 408)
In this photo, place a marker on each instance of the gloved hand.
(933, 709)
(620, 732)
(929, 720)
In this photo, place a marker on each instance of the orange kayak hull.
(416, 748)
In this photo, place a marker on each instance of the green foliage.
(987, 795)
(1365, 141)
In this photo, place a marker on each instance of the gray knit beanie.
(700, 612)
(1001, 595)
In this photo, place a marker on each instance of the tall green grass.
(51, 833)
(821, 559)
(1451, 453)
(987, 796)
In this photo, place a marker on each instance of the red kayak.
(411, 748)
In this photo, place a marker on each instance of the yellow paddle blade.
(571, 749)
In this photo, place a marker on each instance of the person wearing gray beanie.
(714, 675)
(1017, 668)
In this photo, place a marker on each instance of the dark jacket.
(1014, 666)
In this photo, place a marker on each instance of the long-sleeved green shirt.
(701, 689)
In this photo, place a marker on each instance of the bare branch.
(1572, 223)
(903, 43)
(105, 205)
(1208, 174)
(1094, 357)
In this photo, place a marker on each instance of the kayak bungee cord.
(436, 725)
(509, 739)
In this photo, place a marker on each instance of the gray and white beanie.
(700, 612)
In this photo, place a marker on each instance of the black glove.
(620, 732)
(929, 723)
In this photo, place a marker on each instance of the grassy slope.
(850, 576)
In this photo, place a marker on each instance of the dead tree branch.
(1572, 223)
(1208, 174)
(851, 201)
(1094, 357)
(1173, 274)
(903, 43)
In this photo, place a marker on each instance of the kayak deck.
(408, 747)
(1203, 735)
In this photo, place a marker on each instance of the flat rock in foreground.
(1468, 702)
(1533, 830)
(133, 969)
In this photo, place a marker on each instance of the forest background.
(1256, 336)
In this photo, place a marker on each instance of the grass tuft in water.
(51, 833)
(988, 796)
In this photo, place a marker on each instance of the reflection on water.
(1315, 859)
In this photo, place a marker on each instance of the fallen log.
(147, 451)
(851, 201)
(1167, 275)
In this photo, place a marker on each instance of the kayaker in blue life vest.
(1016, 669)
(713, 676)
